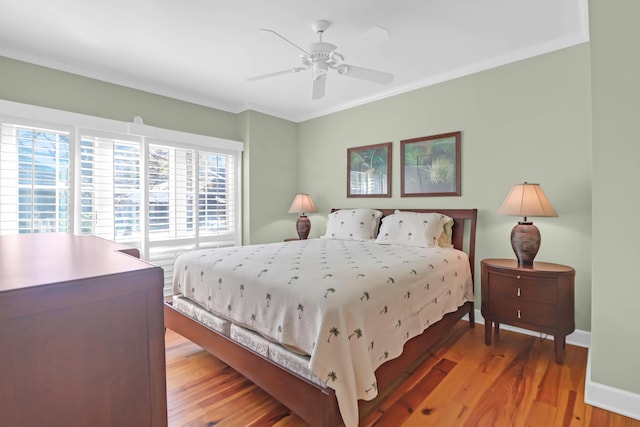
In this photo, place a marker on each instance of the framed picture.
(369, 171)
(430, 166)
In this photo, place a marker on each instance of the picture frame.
(430, 166)
(369, 171)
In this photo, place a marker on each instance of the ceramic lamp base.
(525, 241)
(303, 226)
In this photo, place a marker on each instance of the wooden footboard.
(314, 404)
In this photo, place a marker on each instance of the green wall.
(527, 121)
(615, 340)
(32, 84)
(269, 178)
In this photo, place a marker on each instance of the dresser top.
(38, 259)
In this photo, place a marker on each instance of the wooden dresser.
(81, 334)
(539, 298)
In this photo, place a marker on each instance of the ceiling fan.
(322, 56)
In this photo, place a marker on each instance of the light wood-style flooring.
(515, 382)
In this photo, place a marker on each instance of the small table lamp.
(301, 204)
(526, 200)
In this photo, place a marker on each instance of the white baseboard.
(578, 337)
(610, 398)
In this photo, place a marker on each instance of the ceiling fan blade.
(285, 39)
(319, 85)
(365, 74)
(277, 73)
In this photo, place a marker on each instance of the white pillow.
(353, 224)
(414, 229)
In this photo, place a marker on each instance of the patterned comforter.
(350, 305)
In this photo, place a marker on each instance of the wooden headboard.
(462, 218)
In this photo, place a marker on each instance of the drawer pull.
(518, 291)
(518, 277)
(519, 316)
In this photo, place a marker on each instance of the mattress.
(292, 361)
(344, 307)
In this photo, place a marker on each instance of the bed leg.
(472, 315)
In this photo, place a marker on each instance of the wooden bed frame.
(314, 404)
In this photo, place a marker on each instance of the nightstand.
(538, 298)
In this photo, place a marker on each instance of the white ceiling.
(203, 51)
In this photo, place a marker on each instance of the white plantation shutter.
(216, 190)
(110, 188)
(170, 209)
(171, 192)
(192, 204)
(35, 187)
(159, 190)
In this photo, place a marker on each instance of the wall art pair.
(429, 166)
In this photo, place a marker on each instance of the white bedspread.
(350, 305)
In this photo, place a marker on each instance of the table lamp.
(301, 204)
(526, 200)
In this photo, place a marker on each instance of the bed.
(324, 324)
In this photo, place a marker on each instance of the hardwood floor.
(515, 382)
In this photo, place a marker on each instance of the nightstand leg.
(560, 344)
(487, 331)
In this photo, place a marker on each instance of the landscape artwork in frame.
(369, 171)
(430, 166)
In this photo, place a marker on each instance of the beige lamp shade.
(301, 204)
(527, 200)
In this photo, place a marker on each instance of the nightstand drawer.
(523, 287)
(511, 310)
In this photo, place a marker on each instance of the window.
(189, 198)
(110, 189)
(171, 192)
(161, 191)
(35, 184)
(215, 195)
